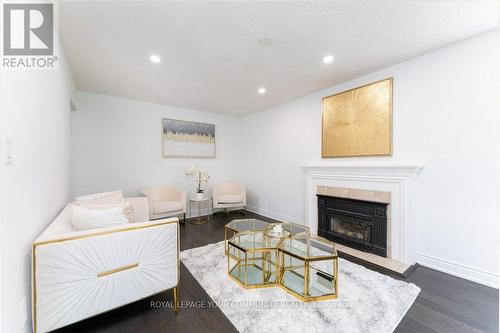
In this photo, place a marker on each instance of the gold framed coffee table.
(309, 267)
(261, 254)
(240, 225)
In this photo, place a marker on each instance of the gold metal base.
(176, 301)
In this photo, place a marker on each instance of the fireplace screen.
(350, 230)
(359, 224)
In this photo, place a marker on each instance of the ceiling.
(212, 60)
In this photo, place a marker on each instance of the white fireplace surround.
(396, 179)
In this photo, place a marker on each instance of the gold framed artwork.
(358, 122)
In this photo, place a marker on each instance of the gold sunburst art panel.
(358, 122)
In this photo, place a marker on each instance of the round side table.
(199, 219)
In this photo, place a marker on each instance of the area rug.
(368, 301)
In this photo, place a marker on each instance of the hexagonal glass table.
(235, 226)
(253, 258)
(262, 254)
(308, 267)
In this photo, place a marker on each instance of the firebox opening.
(359, 224)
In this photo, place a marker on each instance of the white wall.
(446, 117)
(116, 144)
(35, 186)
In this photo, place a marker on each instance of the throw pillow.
(84, 218)
(127, 207)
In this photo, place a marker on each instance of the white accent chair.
(166, 201)
(229, 195)
(80, 274)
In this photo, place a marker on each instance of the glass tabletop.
(309, 247)
(247, 225)
(255, 240)
(292, 228)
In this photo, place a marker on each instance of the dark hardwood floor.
(446, 303)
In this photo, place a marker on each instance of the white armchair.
(166, 201)
(79, 274)
(229, 195)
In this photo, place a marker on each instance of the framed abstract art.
(187, 139)
(358, 122)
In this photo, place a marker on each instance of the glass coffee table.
(235, 226)
(309, 267)
(262, 254)
(252, 258)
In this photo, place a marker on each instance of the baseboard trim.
(273, 215)
(466, 272)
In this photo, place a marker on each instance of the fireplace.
(359, 224)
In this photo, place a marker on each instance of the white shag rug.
(368, 301)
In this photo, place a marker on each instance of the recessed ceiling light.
(262, 90)
(328, 59)
(154, 59)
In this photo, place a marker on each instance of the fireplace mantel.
(394, 178)
(365, 169)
